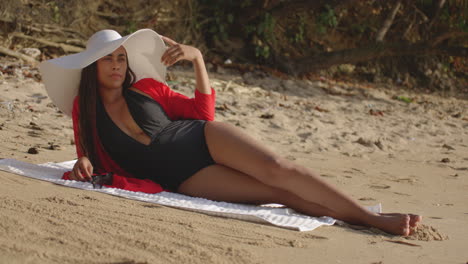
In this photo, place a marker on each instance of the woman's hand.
(177, 52)
(82, 171)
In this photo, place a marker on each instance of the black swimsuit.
(177, 150)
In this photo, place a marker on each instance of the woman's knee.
(278, 170)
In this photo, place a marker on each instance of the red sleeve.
(75, 118)
(179, 106)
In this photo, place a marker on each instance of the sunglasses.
(99, 180)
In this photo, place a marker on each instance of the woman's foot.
(414, 219)
(396, 224)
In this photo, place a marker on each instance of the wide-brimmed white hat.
(62, 75)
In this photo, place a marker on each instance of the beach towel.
(272, 214)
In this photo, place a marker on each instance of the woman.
(145, 130)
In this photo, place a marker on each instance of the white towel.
(283, 217)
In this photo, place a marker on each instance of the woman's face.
(111, 69)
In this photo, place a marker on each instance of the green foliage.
(445, 15)
(359, 28)
(222, 19)
(462, 24)
(403, 99)
(219, 17)
(299, 31)
(266, 26)
(218, 27)
(448, 17)
(265, 31)
(262, 51)
(130, 27)
(326, 19)
(54, 8)
(246, 3)
(458, 22)
(262, 33)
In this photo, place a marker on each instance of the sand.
(411, 157)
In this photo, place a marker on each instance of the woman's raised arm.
(177, 52)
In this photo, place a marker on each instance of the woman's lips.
(116, 76)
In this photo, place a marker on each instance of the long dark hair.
(88, 92)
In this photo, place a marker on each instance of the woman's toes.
(414, 220)
(406, 231)
(406, 219)
(405, 225)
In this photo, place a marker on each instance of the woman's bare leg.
(232, 148)
(220, 183)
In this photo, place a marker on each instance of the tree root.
(18, 55)
(65, 47)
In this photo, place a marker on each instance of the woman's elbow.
(205, 114)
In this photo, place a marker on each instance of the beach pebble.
(267, 116)
(33, 151)
(34, 126)
(448, 147)
(365, 142)
(295, 243)
(379, 144)
(53, 146)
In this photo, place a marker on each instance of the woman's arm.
(201, 76)
(177, 52)
(83, 169)
(176, 105)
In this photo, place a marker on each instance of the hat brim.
(61, 76)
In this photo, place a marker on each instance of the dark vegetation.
(420, 44)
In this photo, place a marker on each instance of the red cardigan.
(176, 105)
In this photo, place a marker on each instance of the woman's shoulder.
(151, 87)
(148, 83)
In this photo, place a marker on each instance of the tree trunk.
(388, 23)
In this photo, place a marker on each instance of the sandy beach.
(368, 140)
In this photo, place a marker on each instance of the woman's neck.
(110, 96)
